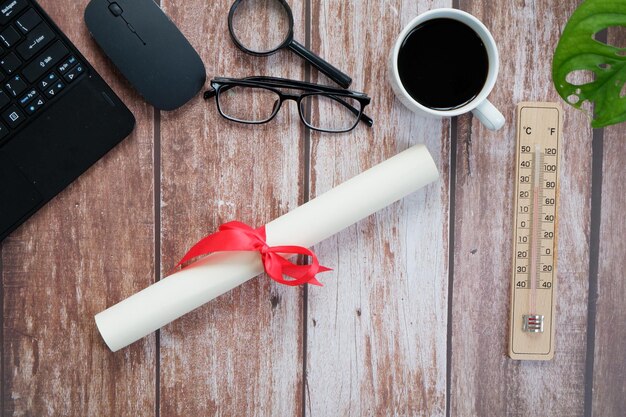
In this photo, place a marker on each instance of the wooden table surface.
(413, 321)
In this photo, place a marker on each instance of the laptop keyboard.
(35, 65)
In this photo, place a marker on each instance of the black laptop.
(57, 116)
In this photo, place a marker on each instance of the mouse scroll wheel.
(115, 9)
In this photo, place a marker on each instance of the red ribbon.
(237, 236)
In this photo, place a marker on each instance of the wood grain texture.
(376, 331)
(375, 336)
(484, 381)
(87, 249)
(242, 353)
(609, 368)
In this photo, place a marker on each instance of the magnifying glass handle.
(335, 74)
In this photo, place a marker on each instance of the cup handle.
(489, 115)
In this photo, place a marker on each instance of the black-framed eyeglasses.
(257, 100)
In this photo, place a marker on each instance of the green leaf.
(578, 50)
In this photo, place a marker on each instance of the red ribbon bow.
(237, 236)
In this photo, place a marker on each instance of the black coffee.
(443, 64)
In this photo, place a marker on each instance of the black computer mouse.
(148, 49)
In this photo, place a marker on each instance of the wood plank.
(609, 383)
(242, 353)
(376, 331)
(87, 249)
(484, 381)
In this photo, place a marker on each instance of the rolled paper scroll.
(215, 274)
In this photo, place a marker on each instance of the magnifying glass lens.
(261, 26)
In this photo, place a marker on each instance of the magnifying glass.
(262, 27)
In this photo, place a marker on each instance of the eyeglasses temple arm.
(364, 117)
(213, 92)
(367, 120)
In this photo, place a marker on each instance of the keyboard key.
(48, 80)
(74, 73)
(4, 99)
(13, 116)
(67, 65)
(28, 21)
(35, 41)
(35, 105)
(9, 9)
(54, 90)
(28, 97)
(45, 61)
(15, 86)
(10, 63)
(9, 36)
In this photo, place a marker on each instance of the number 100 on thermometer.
(533, 284)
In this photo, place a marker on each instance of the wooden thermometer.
(533, 282)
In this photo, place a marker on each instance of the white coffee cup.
(479, 105)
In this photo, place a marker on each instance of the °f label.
(533, 281)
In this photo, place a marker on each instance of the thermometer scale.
(533, 282)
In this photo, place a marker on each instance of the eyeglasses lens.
(330, 113)
(260, 25)
(247, 104)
